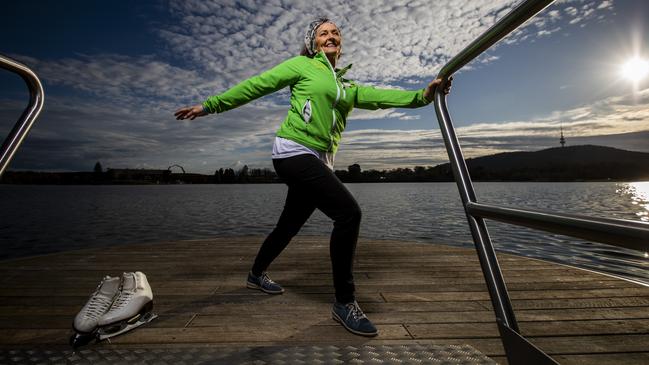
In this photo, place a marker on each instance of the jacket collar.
(320, 56)
(342, 71)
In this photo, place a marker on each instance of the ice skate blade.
(125, 326)
(81, 339)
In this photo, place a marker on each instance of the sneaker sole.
(250, 285)
(339, 320)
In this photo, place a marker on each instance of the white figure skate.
(86, 321)
(132, 307)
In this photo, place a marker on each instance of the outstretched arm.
(280, 76)
(373, 98)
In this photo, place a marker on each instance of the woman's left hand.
(429, 93)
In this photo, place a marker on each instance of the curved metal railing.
(618, 232)
(21, 128)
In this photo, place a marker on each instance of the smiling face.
(328, 39)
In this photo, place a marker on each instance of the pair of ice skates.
(119, 304)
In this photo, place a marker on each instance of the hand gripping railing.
(617, 232)
(24, 124)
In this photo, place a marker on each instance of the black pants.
(311, 185)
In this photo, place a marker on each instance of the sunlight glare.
(635, 69)
(640, 195)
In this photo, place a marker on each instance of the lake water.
(44, 219)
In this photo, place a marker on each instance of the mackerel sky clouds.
(114, 72)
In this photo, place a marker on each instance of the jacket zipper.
(333, 106)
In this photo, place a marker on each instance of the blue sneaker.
(353, 319)
(263, 283)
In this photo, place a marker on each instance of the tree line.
(576, 163)
(245, 175)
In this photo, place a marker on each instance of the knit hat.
(309, 36)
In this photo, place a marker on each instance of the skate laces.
(121, 301)
(124, 296)
(98, 304)
(97, 307)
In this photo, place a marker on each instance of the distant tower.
(562, 140)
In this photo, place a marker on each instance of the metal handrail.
(517, 348)
(21, 128)
(498, 31)
(616, 232)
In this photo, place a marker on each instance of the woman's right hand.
(190, 112)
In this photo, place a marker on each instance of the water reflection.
(42, 219)
(638, 195)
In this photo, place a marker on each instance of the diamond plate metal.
(325, 355)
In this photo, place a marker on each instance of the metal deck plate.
(385, 354)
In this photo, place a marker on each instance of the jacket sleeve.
(373, 98)
(278, 77)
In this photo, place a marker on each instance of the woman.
(303, 155)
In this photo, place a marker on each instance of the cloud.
(118, 108)
(413, 39)
(361, 114)
(74, 133)
(620, 122)
(215, 44)
(134, 82)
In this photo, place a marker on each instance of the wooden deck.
(413, 292)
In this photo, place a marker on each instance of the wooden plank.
(593, 303)
(522, 316)
(204, 287)
(604, 359)
(447, 316)
(367, 307)
(611, 344)
(65, 322)
(582, 313)
(585, 327)
(518, 295)
(531, 329)
(530, 281)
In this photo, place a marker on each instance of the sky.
(115, 71)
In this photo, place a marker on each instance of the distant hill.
(574, 163)
(560, 164)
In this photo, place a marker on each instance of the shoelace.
(124, 297)
(121, 301)
(266, 280)
(355, 311)
(97, 306)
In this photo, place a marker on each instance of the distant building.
(562, 140)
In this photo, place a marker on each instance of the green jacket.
(321, 99)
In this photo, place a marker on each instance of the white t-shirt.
(283, 148)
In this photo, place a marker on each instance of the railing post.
(29, 115)
(486, 253)
(518, 349)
